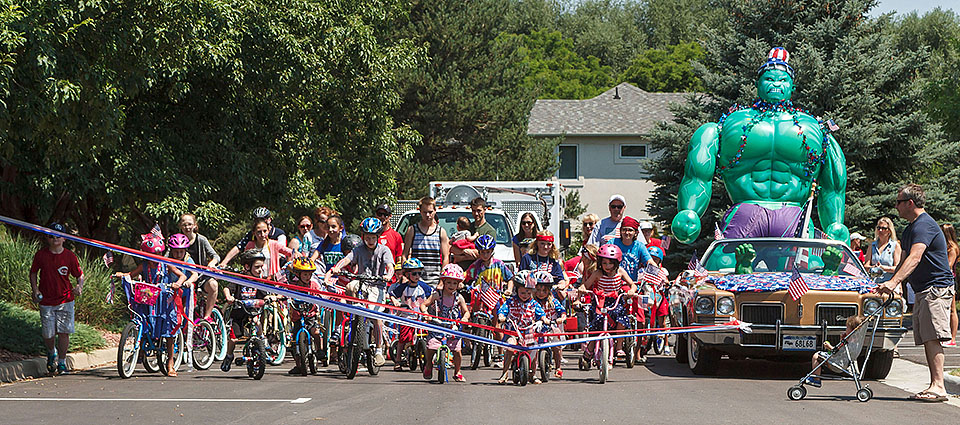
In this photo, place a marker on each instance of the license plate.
(799, 343)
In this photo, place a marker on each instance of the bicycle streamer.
(313, 296)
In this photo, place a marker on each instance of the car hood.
(780, 281)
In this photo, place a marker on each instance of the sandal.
(459, 378)
(537, 381)
(929, 397)
(503, 378)
(171, 373)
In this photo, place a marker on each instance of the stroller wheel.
(798, 393)
(864, 394)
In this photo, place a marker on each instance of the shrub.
(20, 332)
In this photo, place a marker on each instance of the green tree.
(671, 22)
(666, 70)
(609, 30)
(144, 109)
(848, 69)
(555, 71)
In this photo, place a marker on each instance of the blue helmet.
(371, 225)
(412, 264)
(486, 242)
(655, 252)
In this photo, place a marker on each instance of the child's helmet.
(541, 277)
(412, 264)
(371, 225)
(452, 271)
(178, 241)
(529, 280)
(261, 212)
(152, 244)
(304, 265)
(655, 252)
(349, 242)
(486, 242)
(610, 251)
(251, 255)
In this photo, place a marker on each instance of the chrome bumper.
(886, 338)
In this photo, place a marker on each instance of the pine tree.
(848, 70)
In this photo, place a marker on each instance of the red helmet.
(610, 251)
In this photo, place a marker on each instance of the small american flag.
(852, 270)
(156, 230)
(490, 298)
(695, 265)
(797, 285)
(337, 289)
(665, 243)
(717, 234)
(652, 275)
(832, 125)
(108, 259)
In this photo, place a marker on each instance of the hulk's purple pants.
(745, 220)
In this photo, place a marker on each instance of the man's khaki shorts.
(931, 314)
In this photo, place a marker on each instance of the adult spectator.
(306, 239)
(274, 233)
(649, 233)
(55, 264)
(587, 224)
(273, 250)
(479, 226)
(525, 235)
(927, 270)
(427, 241)
(390, 237)
(952, 251)
(884, 254)
(321, 215)
(607, 228)
(855, 240)
(202, 253)
(635, 254)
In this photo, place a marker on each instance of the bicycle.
(254, 350)
(602, 356)
(416, 352)
(356, 334)
(303, 348)
(522, 362)
(140, 339)
(274, 325)
(219, 325)
(442, 356)
(480, 351)
(203, 341)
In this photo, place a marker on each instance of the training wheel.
(864, 394)
(797, 393)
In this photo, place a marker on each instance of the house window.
(633, 151)
(568, 162)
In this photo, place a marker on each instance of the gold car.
(748, 281)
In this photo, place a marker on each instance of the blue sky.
(906, 6)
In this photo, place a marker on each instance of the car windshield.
(781, 256)
(448, 219)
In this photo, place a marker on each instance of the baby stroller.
(843, 358)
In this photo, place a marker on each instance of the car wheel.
(879, 364)
(680, 350)
(702, 360)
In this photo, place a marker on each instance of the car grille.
(835, 314)
(890, 323)
(761, 314)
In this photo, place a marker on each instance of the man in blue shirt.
(927, 271)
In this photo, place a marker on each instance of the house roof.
(636, 112)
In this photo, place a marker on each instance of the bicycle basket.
(145, 293)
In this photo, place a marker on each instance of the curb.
(37, 367)
(952, 383)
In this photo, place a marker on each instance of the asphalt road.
(745, 391)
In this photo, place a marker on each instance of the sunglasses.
(306, 226)
(883, 228)
(526, 222)
(617, 207)
(383, 214)
(416, 273)
(901, 200)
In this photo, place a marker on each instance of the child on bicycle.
(545, 256)
(371, 259)
(166, 277)
(488, 277)
(829, 350)
(410, 294)
(252, 261)
(519, 313)
(554, 313)
(303, 274)
(606, 283)
(448, 304)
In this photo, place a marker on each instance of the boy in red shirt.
(55, 264)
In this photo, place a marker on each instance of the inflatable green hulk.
(768, 155)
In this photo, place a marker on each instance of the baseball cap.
(383, 207)
(646, 225)
(857, 235)
(617, 197)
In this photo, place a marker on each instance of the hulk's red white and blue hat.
(777, 59)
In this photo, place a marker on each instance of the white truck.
(507, 201)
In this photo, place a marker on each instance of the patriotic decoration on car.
(694, 264)
(717, 234)
(779, 281)
(797, 285)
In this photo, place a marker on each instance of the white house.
(604, 142)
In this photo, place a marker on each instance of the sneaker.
(813, 382)
(563, 360)
(52, 362)
(227, 362)
(378, 359)
(496, 365)
(294, 371)
(62, 368)
(666, 350)
(621, 353)
(428, 374)
(950, 343)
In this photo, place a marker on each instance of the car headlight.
(704, 305)
(725, 306)
(895, 309)
(870, 306)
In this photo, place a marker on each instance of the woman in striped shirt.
(428, 242)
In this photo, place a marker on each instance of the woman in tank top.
(884, 253)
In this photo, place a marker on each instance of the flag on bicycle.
(665, 243)
(798, 286)
(490, 298)
(652, 274)
(156, 230)
(694, 264)
(108, 259)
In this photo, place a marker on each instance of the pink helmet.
(452, 271)
(610, 251)
(178, 240)
(152, 244)
(535, 278)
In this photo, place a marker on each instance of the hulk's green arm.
(696, 188)
(833, 190)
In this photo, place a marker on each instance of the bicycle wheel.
(486, 354)
(372, 368)
(604, 359)
(311, 358)
(128, 350)
(478, 349)
(524, 370)
(220, 332)
(177, 353)
(543, 360)
(257, 364)
(301, 352)
(352, 355)
(204, 346)
(275, 336)
(441, 361)
(422, 353)
(630, 348)
(410, 355)
(149, 356)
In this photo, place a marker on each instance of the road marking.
(300, 400)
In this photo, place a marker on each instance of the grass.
(20, 332)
